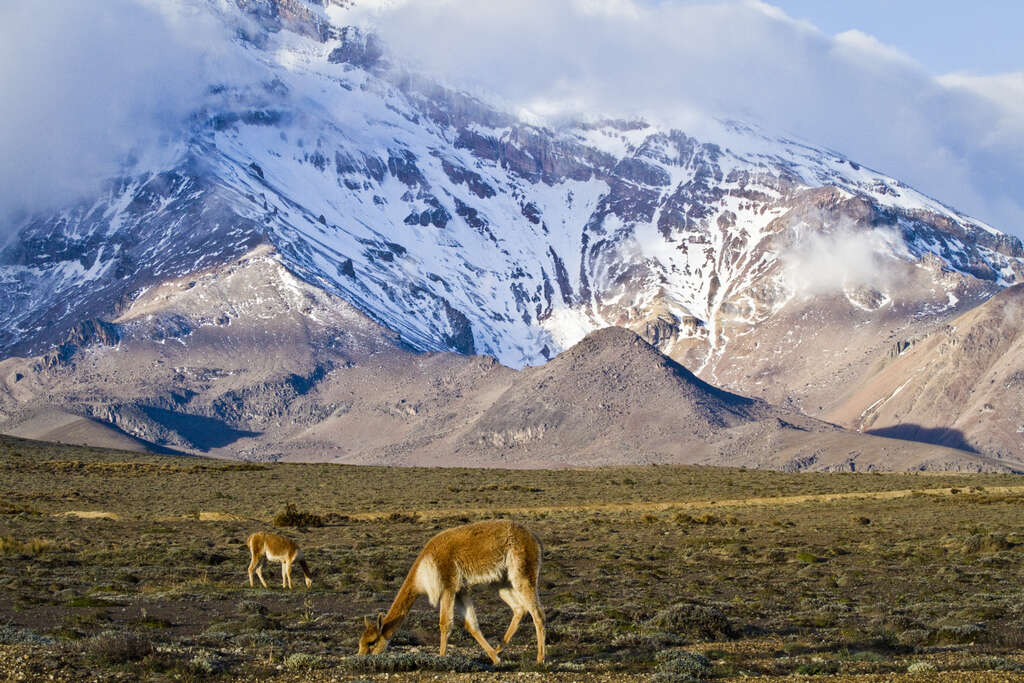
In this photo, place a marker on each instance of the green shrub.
(390, 662)
(818, 666)
(290, 516)
(304, 660)
(208, 663)
(808, 558)
(986, 543)
(251, 607)
(11, 635)
(646, 641)
(112, 647)
(697, 622)
(991, 663)
(33, 546)
(960, 633)
(680, 665)
(915, 637)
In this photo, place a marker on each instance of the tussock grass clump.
(246, 607)
(992, 663)
(304, 660)
(986, 543)
(680, 665)
(402, 517)
(646, 641)
(390, 662)
(7, 508)
(33, 546)
(11, 635)
(239, 467)
(208, 663)
(697, 622)
(808, 558)
(1010, 635)
(959, 633)
(291, 516)
(113, 647)
(706, 518)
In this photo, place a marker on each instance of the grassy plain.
(122, 566)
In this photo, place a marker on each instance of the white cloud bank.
(957, 138)
(83, 83)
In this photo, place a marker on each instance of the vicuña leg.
(509, 597)
(259, 571)
(253, 564)
(447, 608)
(526, 590)
(537, 614)
(286, 579)
(464, 607)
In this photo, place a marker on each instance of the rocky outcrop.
(300, 16)
(362, 50)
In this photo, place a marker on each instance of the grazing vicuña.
(264, 546)
(495, 552)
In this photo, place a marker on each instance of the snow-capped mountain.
(764, 264)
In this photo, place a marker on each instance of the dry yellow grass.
(90, 514)
(33, 546)
(651, 572)
(206, 516)
(661, 506)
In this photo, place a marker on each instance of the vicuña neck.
(401, 605)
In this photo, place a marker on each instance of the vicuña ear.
(366, 620)
(380, 623)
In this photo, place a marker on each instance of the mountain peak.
(773, 268)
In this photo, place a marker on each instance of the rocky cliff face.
(771, 267)
(961, 386)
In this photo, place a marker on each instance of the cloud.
(84, 84)
(844, 257)
(677, 63)
(1005, 91)
(87, 83)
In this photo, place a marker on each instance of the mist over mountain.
(259, 265)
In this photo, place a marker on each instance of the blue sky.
(983, 36)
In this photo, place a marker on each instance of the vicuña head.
(264, 546)
(495, 552)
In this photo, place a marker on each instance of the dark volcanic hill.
(343, 391)
(613, 398)
(617, 387)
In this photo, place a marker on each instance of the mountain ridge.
(957, 386)
(774, 269)
(174, 378)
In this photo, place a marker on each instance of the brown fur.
(264, 546)
(495, 552)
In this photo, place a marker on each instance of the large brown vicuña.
(494, 552)
(278, 549)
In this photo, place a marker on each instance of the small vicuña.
(264, 546)
(495, 552)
